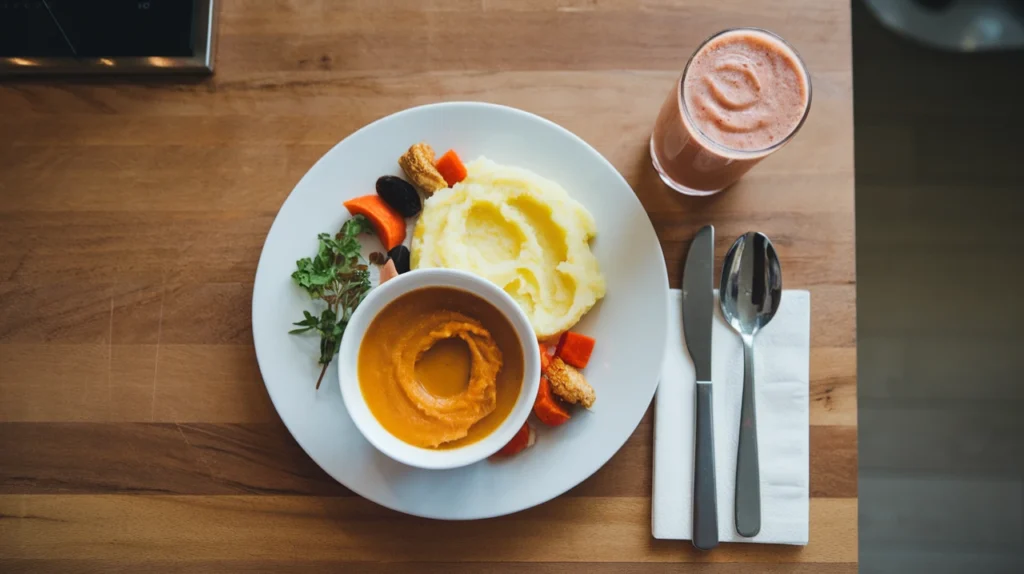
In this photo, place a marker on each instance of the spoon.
(750, 292)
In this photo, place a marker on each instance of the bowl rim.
(355, 403)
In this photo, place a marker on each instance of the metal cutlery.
(750, 292)
(698, 312)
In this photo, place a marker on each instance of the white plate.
(630, 324)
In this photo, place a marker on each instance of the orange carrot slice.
(388, 272)
(519, 442)
(547, 408)
(575, 349)
(545, 359)
(451, 168)
(388, 223)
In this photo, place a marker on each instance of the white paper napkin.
(782, 381)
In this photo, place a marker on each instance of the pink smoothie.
(743, 94)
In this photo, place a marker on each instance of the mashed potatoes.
(520, 231)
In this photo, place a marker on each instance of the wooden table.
(134, 428)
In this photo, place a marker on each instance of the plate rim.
(663, 277)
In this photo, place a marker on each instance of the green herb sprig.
(338, 277)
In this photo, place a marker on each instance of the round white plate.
(630, 323)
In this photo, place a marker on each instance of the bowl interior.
(367, 423)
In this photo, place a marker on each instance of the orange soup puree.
(440, 367)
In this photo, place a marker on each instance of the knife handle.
(705, 499)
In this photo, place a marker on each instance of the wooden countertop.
(134, 428)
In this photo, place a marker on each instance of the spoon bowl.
(750, 292)
(751, 286)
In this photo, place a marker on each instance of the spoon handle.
(748, 475)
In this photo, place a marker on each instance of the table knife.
(698, 310)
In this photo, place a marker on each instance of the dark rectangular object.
(106, 36)
(28, 30)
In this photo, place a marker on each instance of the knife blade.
(698, 311)
(699, 300)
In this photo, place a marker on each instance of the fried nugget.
(569, 384)
(418, 165)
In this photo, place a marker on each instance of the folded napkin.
(781, 358)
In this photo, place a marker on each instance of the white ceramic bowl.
(355, 403)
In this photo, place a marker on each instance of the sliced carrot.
(575, 349)
(451, 168)
(388, 272)
(545, 359)
(388, 223)
(522, 439)
(547, 408)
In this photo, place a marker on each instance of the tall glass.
(743, 94)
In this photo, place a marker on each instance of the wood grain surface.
(135, 431)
